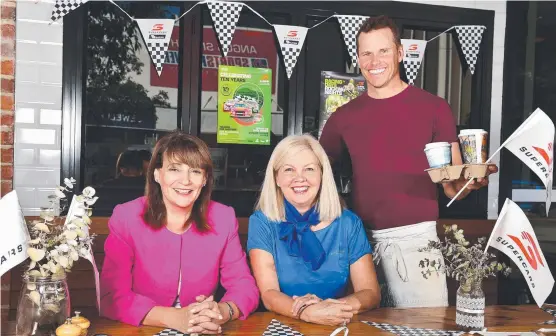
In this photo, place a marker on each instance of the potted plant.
(468, 264)
(56, 243)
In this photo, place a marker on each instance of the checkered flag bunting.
(350, 24)
(470, 39)
(225, 15)
(407, 331)
(170, 332)
(63, 7)
(276, 328)
(156, 34)
(411, 70)
(291, 39)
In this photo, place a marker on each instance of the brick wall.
(7, 85)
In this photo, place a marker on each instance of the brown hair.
(192, 151)
(376, 23)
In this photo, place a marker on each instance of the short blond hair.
(271, 199)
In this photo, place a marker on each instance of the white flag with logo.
(514, 236)
(291, 40)
(414, 50)
(14, 236)
(349, 25)
(156, 34)
(532, 143)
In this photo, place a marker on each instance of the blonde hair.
(271, 199)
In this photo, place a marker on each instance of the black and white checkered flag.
(276, 328)
(470, 39)
(350, 24)
(225, 15)
(63, 7)
(408, 331)
(291, 40)
(156, 34)
(414, 50)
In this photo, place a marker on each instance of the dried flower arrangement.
(462, 261)
(58, 242)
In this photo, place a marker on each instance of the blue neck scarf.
(297, 234)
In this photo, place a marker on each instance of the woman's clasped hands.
(199, 318)
(311, 308)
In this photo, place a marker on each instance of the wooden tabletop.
(497, 318)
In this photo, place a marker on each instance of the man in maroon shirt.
(385, 132)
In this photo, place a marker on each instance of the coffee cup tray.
(452, 173)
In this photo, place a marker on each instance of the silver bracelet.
(231, 311)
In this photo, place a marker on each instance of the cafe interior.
(88, 103)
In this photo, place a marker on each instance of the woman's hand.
(302, 301)
(328, 312)
(205, 317)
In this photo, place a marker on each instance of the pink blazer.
(141, 267)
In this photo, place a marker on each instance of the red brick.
(8, 67)
(7, 102)
(8, 31)
(7, 172)
(8, 13)
(7, 155)
(7, 119)
(8, 49)
(7, 85)
(7, 138)
(5, 187)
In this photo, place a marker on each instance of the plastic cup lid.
(436, 145)
(472, 131)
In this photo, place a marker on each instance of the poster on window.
(244, 105)
(336, 89)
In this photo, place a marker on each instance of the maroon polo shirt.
(386, 139)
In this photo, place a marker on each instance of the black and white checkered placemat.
(225, 15)
(276, 328)
(470, 39)
(407, 331)
(551, 311)
(170, 332)
(63, 7)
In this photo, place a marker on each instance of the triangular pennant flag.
(225, 15)
(414, 50)
(63, 7)
(275, 327)
(514, 236)
(14, 236)
(350, 24)
(156, 34)
(470, 39)
(291, 40)
(408, 331)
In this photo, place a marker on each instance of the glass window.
(127, 105)
(240, 168)
(538, 84)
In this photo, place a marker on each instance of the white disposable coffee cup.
(439, 154)
(474, 145)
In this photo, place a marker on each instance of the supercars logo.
(530, 252)
(546, 155)
(157, 27)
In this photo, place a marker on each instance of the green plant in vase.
(468, 264)
(56, 243)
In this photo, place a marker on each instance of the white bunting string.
(115, 4)
(190, 9)
(444, 32)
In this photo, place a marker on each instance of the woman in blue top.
(304, 247)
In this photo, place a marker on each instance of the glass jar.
(470, 304)
(44, 305)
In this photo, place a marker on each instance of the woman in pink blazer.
(167, 251)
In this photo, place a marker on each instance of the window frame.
(407, 15)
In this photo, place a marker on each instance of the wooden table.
(497, 318)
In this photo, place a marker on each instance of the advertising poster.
(244, 105)
(336, 89)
